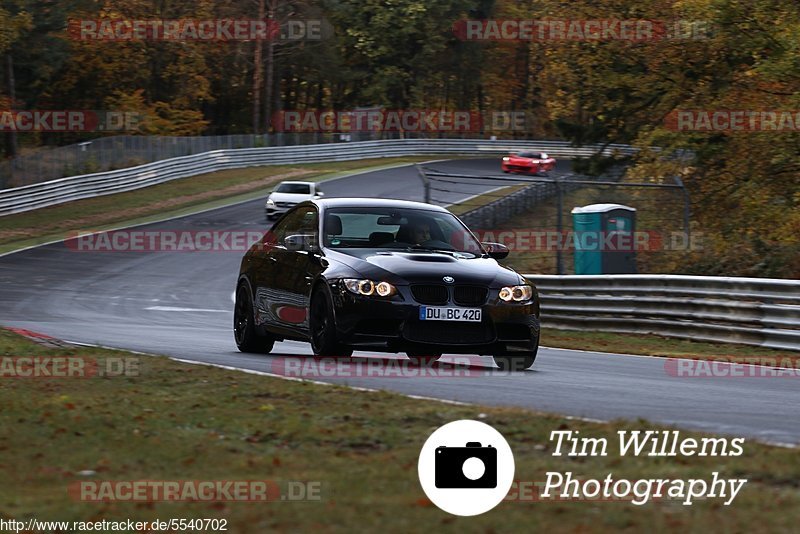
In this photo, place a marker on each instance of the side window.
(289, 225)
(300, 221)
(308, 221)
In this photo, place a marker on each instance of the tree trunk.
(270, 70)
(11, 136)
(258, 78)
(268, 85)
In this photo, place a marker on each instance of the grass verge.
(183, 422)
(175, 198)
(478, 201)
(653, 345)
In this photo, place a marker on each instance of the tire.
(244, 327)
(322, 327)
(423, 358)
(517, 361)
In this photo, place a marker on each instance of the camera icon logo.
(466, 467)
(472, 466)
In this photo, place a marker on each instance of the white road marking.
(174, 309)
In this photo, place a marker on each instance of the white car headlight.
(516, 293)
(270, 202)
(369, 288)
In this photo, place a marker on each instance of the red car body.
(528, 163)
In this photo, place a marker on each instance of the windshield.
(295, 189)
(528, 155)
(393, 228)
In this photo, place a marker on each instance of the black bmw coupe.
(387, 276)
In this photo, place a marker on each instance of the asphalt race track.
(180, 304)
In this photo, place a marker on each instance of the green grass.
(478, 201)
(174, 198)
(184, 422)
(653, 345)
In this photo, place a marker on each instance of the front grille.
(448, 333)
(469, 295)
(430, 294)
(286, 204)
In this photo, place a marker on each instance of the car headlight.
(506, 159)
(270, 202)
(516, 293)
(368, 288)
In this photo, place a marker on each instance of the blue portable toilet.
(604, 239)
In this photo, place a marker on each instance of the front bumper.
(393, 325)
(522, 169)
(275, 211)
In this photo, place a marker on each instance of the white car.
(287, 195)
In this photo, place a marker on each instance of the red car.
(528, 163)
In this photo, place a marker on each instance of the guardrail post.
(559, 225)
(687, 208)
(426, 183)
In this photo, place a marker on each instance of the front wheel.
(517, 361)
(322, 325)
(423, 358)
(244, 327)
(514, 362)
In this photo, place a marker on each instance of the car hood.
(400, 267)
(519, 160)
(289, 197)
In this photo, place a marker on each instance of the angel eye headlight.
(385, 289)
(516, 293)
(368, 288)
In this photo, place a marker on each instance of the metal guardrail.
(55, 192)
(500, 210)
(752, 311)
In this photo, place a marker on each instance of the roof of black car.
(327, 203)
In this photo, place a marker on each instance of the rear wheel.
(244, 327)
(322, 325)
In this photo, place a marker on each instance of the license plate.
(468, 315)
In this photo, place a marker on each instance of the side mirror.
(497, 251)
(298, 242)
(320, 194)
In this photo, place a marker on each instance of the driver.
(421, 232)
